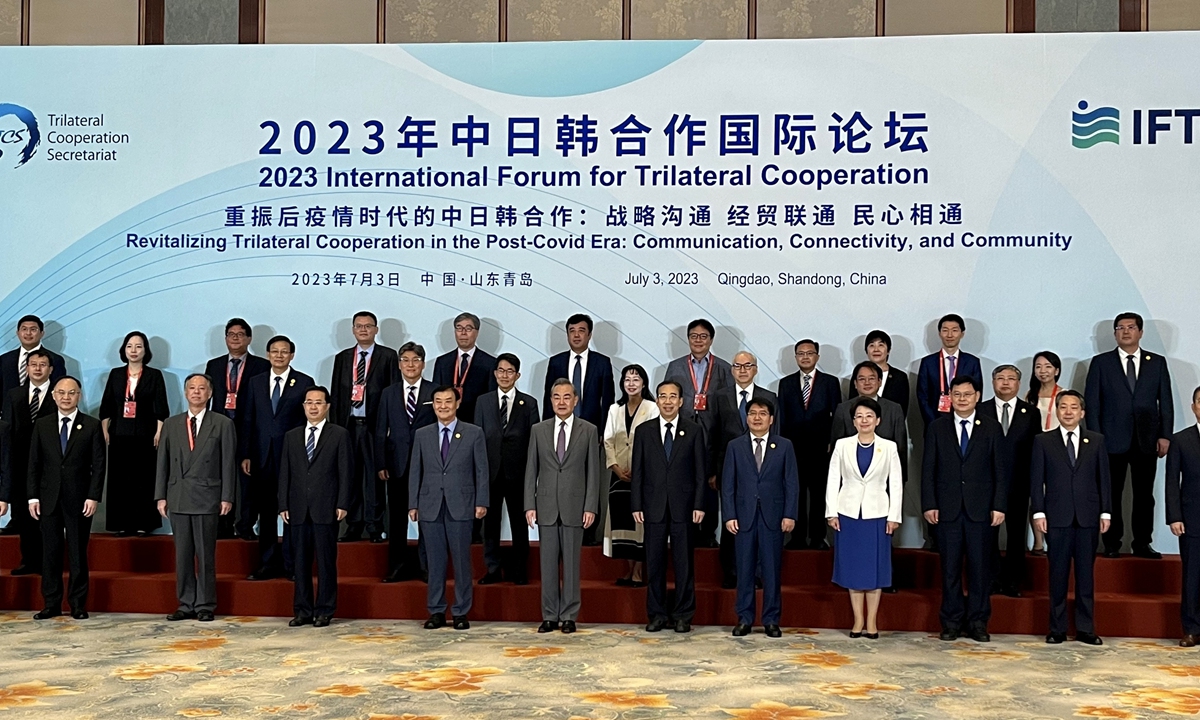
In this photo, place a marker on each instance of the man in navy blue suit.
(274, 404)
(591, 373)
(1129, 393)
(14, 363)
(1183, 512)
(1072, 505)
(760, 492)
(939, 368)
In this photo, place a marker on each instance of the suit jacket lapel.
(455, 441)
(320, 441)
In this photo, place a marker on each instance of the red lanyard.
(707, 375)
(460, 381)
(192, 436)
(366, 370)
(942, 370)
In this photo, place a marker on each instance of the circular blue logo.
(20, 140)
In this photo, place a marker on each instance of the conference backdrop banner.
(1036, 184)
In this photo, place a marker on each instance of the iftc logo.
(19, 135)
(1098, 126)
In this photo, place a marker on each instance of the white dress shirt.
(958, 426)
(308, 430)
(199, 419)
(1012, 409)
(737, 393)
(570, 421)
(662, 427)
(571, 355)
(283, 382)
(44, 393)
(512, 398)
(1137, 361)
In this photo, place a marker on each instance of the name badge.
(700, 402)
(357, 393)
(943, 403)
(130, 409)
(231, 401)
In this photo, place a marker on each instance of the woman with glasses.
(623, 536)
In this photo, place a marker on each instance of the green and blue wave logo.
(1098, 126)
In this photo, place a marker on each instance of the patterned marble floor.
(137, 666)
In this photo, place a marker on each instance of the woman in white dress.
(623, 536)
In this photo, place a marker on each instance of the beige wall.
(944, 17)
(10, 22)
(815, 18)
(688, 19)
(442, 21)
(320, 21)
(83, 22)
(564, 19)
(1173, 15)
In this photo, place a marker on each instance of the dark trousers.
(369, 510)
(507, 494)
(448, 541)
(810, 516)
(1064, 545)
(311, 539)
(30, 530)
(1189, 599)
(655, 537)
(265, 491)
(728, 553)
(959, 540)
(77, 529)
(407, 560)
(1141, 467)
(1011, 568)
(759, 545)
(246, 510)
(195, 539)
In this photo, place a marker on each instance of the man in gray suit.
(868, 379)
(562, 487)
(447, 486)
(197, 466)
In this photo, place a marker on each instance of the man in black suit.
(66, 482)
(964, 494)
(404, 408)
(316, 487)
(23, 406)
(807, 400)
(507, 417)
(1183, 511)
(1020, 423)
(13, 364)
(1072, 504)
(730, 403)
(591, 373)
(667, 497)
(1129, 393)
(360, 375)
(894, 384)
(467, 368)
(230, 374)
(274, 404)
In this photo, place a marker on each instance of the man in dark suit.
(1129, 395)
(940, 368)
(195, 483)
(866, 379)
(1072, 504)
(731, 403)
(316, 487)
(964, 494)
(701, 374)
(24, 404)
(760, 491)
(360, 375)
(66, 482)
(807, 399)
(274, 404)
(448, 485)
(230, 374)
(1020, 422)
(467, 368)
(894, 381)
(507, 417)
(1183, 511)
(404, 408)
(13, 364)
(592, 375)
(667, 498)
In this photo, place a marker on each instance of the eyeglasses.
(806, 353)
(1127, 327)
(699, 336)
(744, 366)
(464, 328)
(236, 335)
(505, 371)
(412, 360)
(363, 326)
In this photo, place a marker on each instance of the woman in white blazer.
(623, 536)
(863, 500)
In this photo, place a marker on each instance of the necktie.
(62, 435)
(503, 412)
(233, 373)
(1130, 373)
(561, 448)
(192, 432)
(577, 381)
(35, 403)
(758, 453)
(962, 439)
(742, 408)
(310, 447)
(276, 393)
(445, 444)
(360, 372)
(951, 369)
(806, 389)
(668, 441)
(1004, 418)
(411, 404)
(24, 369)
(1071, 448)
(463, 364)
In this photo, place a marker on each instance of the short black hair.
(664, 383)
(510, 359)
(868, 403)
(868, 365)
(1194, 392)
(445, 388)
(318, 388)
(467, 316)
(147, 357)
(33, 319)
(763, 403)
(808, 341)
(1129, 316)
(72, 378)
(207, 379)
(878, 335)
(239, 322)
(965, 380)
(701, 322)
(365, 313)
(411, 347)
(40, 352)
(580, 318)
(282, 338)
(1071, 393)
(952, 317)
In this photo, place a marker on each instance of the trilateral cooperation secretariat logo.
(1098, 126)
(19, 134)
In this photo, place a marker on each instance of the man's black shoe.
(491, 578)
(683, 626)
(890, 590)
(1088, 639)
(1112, 553)
(322, 621)
(729, 582)
(435, 621)
(47, 613)
(350, 537)
(980, 635)
(462, 623)
(656, 625)
(1010, 591)
(205, 616)
(299, 621)
(568, 627)
(548, 626)
(79, 614)
(394, 576)
(1147, 552)
(948, 634)
(26, 570)
(1056, 638)
(378, 538)
(818, 545)
(181, 615)
(264, 573)
(520, 580)
(773, 631)
(741, 630)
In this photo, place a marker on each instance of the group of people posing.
(382, 446)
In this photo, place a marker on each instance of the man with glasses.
(231, 375)
(24, 405)
(14, 370)
(701, 374)
(467, 368)
(360, 375)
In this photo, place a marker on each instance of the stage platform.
(1134, 597)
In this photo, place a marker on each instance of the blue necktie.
(962, 441)
(668, 441)
(275, 394)
(742, 409)
(577, 381)
(62, 436)
(311, 446)
(1070, 449)
(445, 444)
